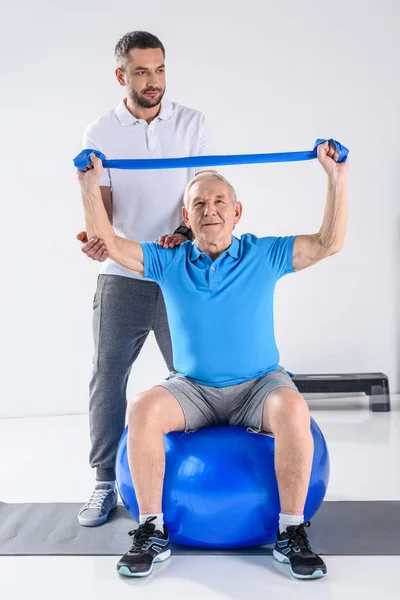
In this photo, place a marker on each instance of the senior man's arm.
(310, 249)
(127, 253)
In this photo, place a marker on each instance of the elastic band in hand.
(83, 159)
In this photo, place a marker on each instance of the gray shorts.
(241, 404)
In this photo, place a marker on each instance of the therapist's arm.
(127, 253)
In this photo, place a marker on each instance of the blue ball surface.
(220, 488)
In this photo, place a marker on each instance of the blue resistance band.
(83, 159)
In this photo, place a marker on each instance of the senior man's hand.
(93, 248)
(327, 156)
(171, 240)
(91, 175)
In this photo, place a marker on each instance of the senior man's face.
(211, 213)
(144, 76)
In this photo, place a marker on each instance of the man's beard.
(144, 102)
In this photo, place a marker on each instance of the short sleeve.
(156, 260)
(90, 143)
(205, 147)
(278, 253)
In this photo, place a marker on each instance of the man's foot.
(96, 511)
(292, 546)
(149, 546)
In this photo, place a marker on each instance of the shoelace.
(98, 498)
(141, 534)
(299, 537)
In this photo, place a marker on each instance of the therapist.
(141, 205)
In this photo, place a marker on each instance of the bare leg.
(286, 415)
(151, 415)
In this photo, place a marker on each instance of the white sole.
(95, 522)
(284, 560)
(160, 558)
(280, 557)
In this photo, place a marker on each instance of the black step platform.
(375, 385)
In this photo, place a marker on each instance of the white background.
(270, 76)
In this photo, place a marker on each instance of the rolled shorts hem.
(197, 401)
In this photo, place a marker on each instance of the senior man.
(219, 293)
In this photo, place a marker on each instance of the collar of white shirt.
(126, 118)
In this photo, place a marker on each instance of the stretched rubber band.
(137, 164)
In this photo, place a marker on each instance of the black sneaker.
(149, 546)
(292, 546)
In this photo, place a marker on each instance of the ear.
(120, 76)
(238, 212)
(185, 216)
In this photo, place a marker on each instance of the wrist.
(337, 178)
(89, 187)
(182, 230)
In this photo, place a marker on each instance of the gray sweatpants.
(125, 310)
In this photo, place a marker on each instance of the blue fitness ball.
(220, 487)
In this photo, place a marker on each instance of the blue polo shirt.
(220, 312)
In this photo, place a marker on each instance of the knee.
(288, 408)
(144, 409)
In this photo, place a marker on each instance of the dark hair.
(135, 39)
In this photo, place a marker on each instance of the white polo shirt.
(147, 204)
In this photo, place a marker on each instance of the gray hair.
(209, 175)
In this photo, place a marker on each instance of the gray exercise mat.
(339, 528)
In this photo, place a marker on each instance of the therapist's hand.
(93, 248)
(171, 240)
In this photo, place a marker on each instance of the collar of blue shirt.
(126, 118)
(233, 250)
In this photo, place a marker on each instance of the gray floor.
(340, 528)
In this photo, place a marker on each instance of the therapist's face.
(143, 75)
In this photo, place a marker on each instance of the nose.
(151, 83)
(210, 209)
(152, 80)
